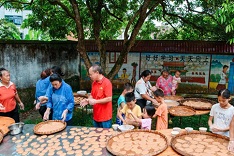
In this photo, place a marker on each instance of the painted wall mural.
(194, 67)
(217, 63)
(200, 73)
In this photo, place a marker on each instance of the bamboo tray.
(4, 123)
(173, 97)
(181, 111)
(1, 135)
(137, 142)
(201, 144)
(49, 127)
(198, 103)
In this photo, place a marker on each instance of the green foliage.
(8, 31)
(226, 17)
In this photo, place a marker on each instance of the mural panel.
(217, 64)
(194, 69)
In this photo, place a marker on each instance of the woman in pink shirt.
(164, 82)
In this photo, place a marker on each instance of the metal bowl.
(16, 128)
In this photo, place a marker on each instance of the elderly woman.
(164, 82)
(143, 90)
(9, 96)
(60, 99)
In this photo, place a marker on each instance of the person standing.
(221, 114)
(60, 98)
(100, 98)
(164, 82)
(9, 96)
(41, 87)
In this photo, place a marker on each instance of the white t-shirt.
(223, 78)
(142, 88)
(222, 117)
(146, 123)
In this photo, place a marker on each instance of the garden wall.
(25, 60)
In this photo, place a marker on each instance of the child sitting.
(121, 100)
(161, 112)
(175, 81)
(148, 113)
(130, 105)
(222, 114)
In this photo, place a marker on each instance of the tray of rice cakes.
(198, 103)
(49, 127)
(79, 97)
(181, 111)
(4, 123)
(137, 142)
(173, 97)
(201, 144)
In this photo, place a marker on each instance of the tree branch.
(129, 25)
(64, 7)
(108, 11)
(202, 12)
(180, 17)
(170, 24)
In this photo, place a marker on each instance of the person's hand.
(154, 88)
(129, 111)
(231, 146)
(21, 105)
(64, 115)
(43, 99)
(46, 115)
(38, 105)
(154, 102)
(2, 107)
(84, 102)
(92, 101)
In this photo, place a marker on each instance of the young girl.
(148, 113)
(161, 112)
(175, 81)
(222, 114)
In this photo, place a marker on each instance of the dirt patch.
(30, 117)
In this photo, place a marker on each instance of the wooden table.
(169, 151)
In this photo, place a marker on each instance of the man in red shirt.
(100, 98)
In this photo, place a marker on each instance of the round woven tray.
(181, 111)
(54, 127)
(5, 122)
(201, 144)
(1, 135)
(137, 142)
(173, 97)
(171, 103)
(198, 103)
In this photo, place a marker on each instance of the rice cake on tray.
(49, 127)
(198, 103)
(181, 111)
(137, 142)
(201, 144)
